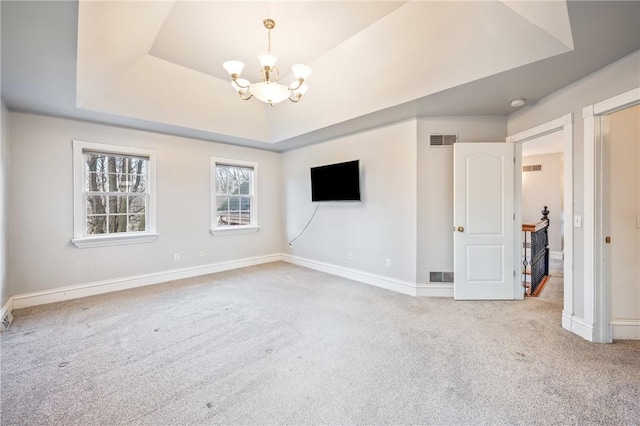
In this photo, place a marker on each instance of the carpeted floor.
(277, 343)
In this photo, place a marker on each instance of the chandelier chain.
(269, 24)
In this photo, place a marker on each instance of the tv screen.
(336, 182)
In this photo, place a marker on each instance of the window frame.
(216, 230)
(80, 237)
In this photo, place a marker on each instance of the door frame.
(596, 285)
(562, 124)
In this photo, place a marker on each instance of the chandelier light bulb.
(233, 67)
(267, 60)
(301, 71)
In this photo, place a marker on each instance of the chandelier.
(268, 90)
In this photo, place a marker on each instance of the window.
(114, 202)
(234, 203)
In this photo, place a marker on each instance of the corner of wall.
(4, 207)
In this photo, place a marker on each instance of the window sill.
(234, 230)
(114, 240)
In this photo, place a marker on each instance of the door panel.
(484, 221)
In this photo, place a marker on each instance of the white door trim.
(596, 291)
(562, 124)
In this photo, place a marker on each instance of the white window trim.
(80, 239)
(236, 229)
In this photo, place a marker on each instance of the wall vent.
(533, 168)
(6, 321)
(441, 277)
(442, 140)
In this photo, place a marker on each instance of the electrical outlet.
(350, 256)
(176, 256)
(388, 263)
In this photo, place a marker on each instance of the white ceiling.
(304, 31)
(164, 62)
(156, 65)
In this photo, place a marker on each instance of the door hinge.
(514, 159)
(514, 273)
(514, 216)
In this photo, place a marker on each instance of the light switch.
(577, 221)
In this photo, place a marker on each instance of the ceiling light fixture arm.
(300, 81)
(235, 78)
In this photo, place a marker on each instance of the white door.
(484, 221)
(621, 222)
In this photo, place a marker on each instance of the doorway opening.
(542, 205)
(561, 130)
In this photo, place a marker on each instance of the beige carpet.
(278, 344)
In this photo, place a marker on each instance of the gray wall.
(382, 226)
(42, 256)
(407, 209)
(5, 290)
(617, 78)
(435, 185)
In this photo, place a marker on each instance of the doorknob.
(460, 228)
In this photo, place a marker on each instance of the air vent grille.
(6, 321)
(441, 277)
(533, 168)
(442, 140)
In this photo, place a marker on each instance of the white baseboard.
(60, 294)
(566, 321)
(577, 326)
(625, 329)
(434, 290)
(100, 287)
(393, 284)
(556, 255)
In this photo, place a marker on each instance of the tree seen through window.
(116, 193)
(233, 195)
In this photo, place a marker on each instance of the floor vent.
(441, 277)
(442, 140)
(6, 321)
(533, 168)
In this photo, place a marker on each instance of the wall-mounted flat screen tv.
(336, 182)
